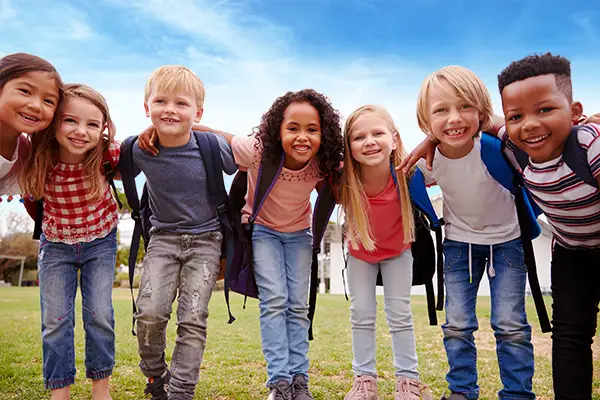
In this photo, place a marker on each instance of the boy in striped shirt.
(540, 113)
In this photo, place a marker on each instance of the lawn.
(233, 366)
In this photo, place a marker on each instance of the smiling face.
(28, 103)
(300, 134)
(539, 116)
(371, 141)
(173, 114)
(79, 130)
(453, 121)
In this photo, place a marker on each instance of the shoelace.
(156, 387)
(300, 386)
(280, 393)
(362, 387)
(412, 388)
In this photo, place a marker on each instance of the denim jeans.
(282, 263)
(185, 264)
(58, 265)
(575, 278)
(397, 281)
(507, 274)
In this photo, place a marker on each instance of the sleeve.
(243, 148)
(427, 174)
(229, 165)
(113, 153)
(589, 138)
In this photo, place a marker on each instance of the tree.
(17, 241)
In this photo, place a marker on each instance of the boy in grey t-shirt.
(185, 243)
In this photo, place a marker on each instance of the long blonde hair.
(44, 148)
(353, 199)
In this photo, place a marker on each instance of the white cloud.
(6, 11)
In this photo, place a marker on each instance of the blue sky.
(250, 52)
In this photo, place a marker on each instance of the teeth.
(455, 132)
(301, 148)
(29, 118)
(536, 139)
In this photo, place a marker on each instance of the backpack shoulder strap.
(126, 167)
(213, 164)
(576, 158)
(267, 178)
(109, 171)
(492, 154)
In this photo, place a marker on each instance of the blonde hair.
(45, 148)
(467, 86)
(172, 78)
(352, 195)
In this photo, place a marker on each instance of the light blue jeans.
(507, 274)
(58, 265)
(282, 263)
(397, 281)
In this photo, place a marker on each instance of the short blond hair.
(171, 78)
(468, 87)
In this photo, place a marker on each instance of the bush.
(122, 276)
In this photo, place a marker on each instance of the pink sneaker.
(411, 389)
(363, 388)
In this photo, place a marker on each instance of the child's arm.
(426, 150)
(229, 165)
(592, 119)
(202, 128)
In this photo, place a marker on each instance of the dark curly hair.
(332, 145)
(537, 65)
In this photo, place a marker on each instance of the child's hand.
(424, 150)
(592, 119)
(146, 140)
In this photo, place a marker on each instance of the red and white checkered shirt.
(69, 215)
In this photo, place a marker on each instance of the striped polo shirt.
(571, 206)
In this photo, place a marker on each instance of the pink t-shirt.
(385, 214)
(287, 208)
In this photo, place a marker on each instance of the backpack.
(239, 273)
(424, 252)
(140, 208)
(35, 208)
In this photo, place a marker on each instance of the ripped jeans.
(176, 263)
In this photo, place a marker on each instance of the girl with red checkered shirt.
(30, 92)
(79, 236)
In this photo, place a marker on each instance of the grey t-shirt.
(177, 186)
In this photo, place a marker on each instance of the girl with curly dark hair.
(304, 129)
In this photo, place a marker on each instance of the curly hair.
(330, 152)
(537, 65)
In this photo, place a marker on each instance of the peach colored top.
(287, 208)
(385, 214)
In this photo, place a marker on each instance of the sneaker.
(454, 396)
(411, 389)
(158, 386)
(300, 388)
(280, 390)
(363, 388)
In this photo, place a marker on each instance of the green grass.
(233, 366)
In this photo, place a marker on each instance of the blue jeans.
(282, 263)
(58, 265)
(507, 274)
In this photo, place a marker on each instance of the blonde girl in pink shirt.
(380, 230)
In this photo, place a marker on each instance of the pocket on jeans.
(452, 253)
(512, 253)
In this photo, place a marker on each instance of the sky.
(250, 52)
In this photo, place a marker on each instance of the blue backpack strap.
(576, 158)
(126, 168)
(497, 164)
(323, 209)
(421, 201)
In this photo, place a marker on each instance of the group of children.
(55, 138)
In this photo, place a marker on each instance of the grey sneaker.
(158, 386)
(300, 388)
(280, 390)
(363, 388)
